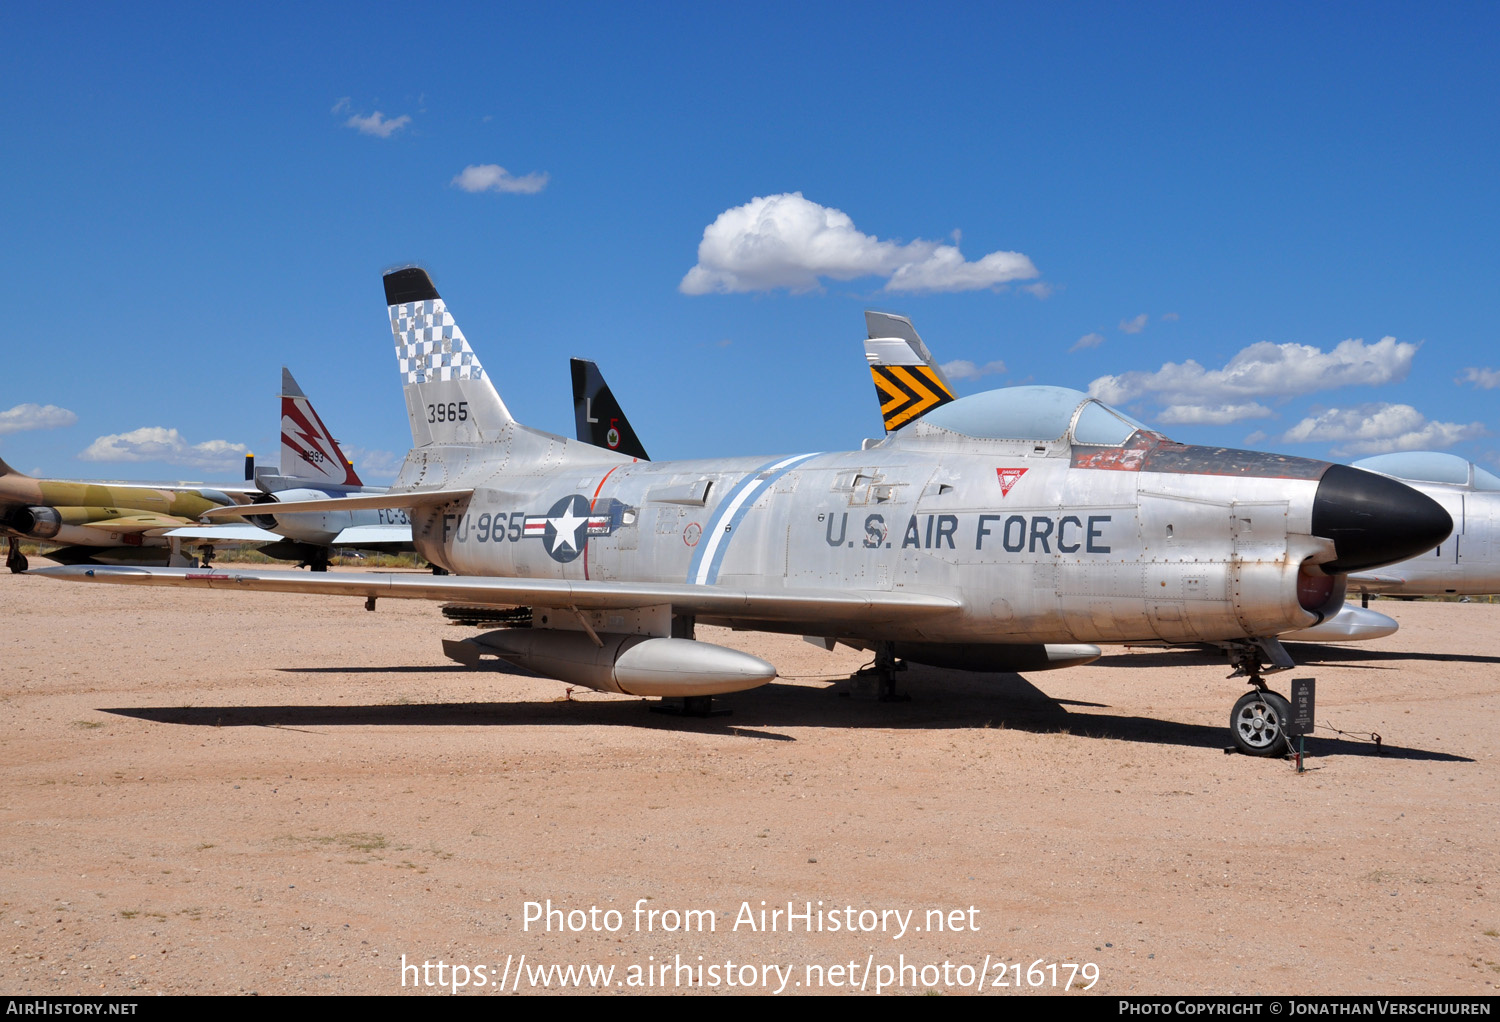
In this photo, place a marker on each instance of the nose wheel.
(1259, 722)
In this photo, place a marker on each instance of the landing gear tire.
(1259, 722)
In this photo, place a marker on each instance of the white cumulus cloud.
(1380, 429)
(963, 369)
(1212, 415)
(1263, 370)
(157, 443)
(1133, 325)
(29, 416)
(787, 241)
(491, 177)
(1087, 341)
(1484, 379)
(377, 124)
(375, 464)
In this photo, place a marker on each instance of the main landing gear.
(316, 559)
(1260, 717)
(883, 672)
(14, 559)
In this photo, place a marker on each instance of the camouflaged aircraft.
(977, 536)
(107, 521)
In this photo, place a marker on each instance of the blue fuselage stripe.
(709, 555)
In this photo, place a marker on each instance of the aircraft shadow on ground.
(1308, 655)
(939, 700)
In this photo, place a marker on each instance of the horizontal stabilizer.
(374, 535)
(222, 533)
(367, 502)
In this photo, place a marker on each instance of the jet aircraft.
(313, 467)
(973, 537)
(108, 520)
(1468, 562)
(909, 383)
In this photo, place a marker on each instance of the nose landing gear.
(1259, 722)
(1260, 718)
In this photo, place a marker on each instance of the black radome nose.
(1374, 520)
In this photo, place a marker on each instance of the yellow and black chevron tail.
(907, 393)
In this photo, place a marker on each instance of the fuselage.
(322, 528)
(1468, 561)
(1039, 542)
(96, 514)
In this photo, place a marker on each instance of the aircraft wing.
(142, 522)
(863, 607)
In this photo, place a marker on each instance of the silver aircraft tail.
(449, 397)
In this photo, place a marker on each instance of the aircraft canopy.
(1431, 467)
(1035, 413)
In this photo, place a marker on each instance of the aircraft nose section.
(1374, 520)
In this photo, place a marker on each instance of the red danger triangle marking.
(1008, 478)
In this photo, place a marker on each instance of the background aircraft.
(969, 538)
(111, 522)
(597, 416)
(1468, 562)
(908, 381)
(313, 467)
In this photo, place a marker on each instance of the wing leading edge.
(864, 607)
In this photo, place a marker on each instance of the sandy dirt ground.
(205, 792)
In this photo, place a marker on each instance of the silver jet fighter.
(1465, 564)
(991, 526)
(909, 384)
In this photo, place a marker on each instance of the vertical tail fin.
(449, 397)
(908, 382)
(309, 453)
(598, 416)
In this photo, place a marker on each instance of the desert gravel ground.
(206, 792)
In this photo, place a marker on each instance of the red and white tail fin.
(449, 397)
(309, 453)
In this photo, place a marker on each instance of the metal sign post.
(1302, 714)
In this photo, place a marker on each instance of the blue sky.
(196, 195)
